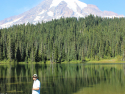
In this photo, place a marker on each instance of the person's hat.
(34, 75)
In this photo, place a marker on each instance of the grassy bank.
(113, 60)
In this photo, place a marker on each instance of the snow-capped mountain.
(54, 9)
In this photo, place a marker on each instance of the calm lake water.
(64, 78)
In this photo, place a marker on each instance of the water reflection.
(58, 78)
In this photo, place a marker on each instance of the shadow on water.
(57, 78)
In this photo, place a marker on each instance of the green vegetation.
(64, 40)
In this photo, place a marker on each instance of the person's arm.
(35, 88)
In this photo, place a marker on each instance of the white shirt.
(36, 84)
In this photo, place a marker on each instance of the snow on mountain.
(42, 12)
(8, 24)
(54, 9)
(37, 18)
(50, 13)
(72, 4)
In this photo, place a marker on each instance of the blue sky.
(10, 8)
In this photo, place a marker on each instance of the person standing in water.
(36, 85)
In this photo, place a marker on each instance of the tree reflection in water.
(56, 78)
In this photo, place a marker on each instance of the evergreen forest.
(64, 39)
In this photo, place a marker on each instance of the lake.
(63, 78)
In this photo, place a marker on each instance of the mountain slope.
(54, 9)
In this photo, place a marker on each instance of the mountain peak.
(72, 4)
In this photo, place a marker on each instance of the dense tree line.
(64, 39)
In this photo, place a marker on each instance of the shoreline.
(114, 60)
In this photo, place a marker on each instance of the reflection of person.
(36, 85)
